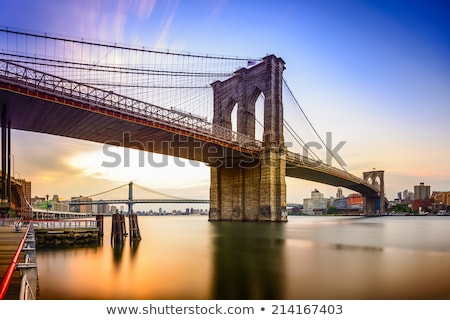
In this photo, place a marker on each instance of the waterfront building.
(355, 201)
(421, 192)
(442, 197)
(25, 198)
(422, 205)
(61, 206)
(341, 204)
(315, 205)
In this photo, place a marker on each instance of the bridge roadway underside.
(52, 115)
(48, 114)
(295, 170)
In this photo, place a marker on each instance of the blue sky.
(374, 73)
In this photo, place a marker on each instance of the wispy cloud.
(162, 40)
(145, 8)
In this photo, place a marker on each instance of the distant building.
(341, 204)
(25, 198)
(315, 205)
(339, 193)
(61, 206)
(355, 201)
(442, 197)
(408, 197)
(102, 208)
(422, 204)
(421, 192)
(81, 208)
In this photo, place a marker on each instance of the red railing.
(12, 266)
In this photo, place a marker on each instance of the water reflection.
(248, 261)
(117, 254)
(134, 245)
(308, 258)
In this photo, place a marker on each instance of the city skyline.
(376, 75)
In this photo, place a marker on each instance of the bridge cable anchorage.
(311, 125)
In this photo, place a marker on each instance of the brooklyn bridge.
(237, 115)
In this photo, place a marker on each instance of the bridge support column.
(256, 193)
(371, 205)
(375, 204)
(234, 194)
(273, 186)
(5, 201)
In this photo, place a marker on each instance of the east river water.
(187, 257)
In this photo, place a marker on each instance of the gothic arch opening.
(229, 117)
(258, 100)
(259, 117)
(234, 117)
(376, 181)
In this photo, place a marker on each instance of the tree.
(333, 210)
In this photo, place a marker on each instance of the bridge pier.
(256, 193)
(374, 204)
(243, 190)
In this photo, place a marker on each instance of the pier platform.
(9, 242)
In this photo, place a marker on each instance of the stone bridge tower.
(375, 204)
(251, 191)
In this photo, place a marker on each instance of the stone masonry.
(242, 190)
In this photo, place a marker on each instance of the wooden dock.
(9, 242)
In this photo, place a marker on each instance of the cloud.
(162, 40)
(145, 8)
(217, 10)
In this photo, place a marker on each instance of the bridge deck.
(9, 242)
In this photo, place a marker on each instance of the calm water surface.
(187, 257)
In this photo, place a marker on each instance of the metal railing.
(26, 291)
(65, 224)
(29, 267)
(29, 78)
(12, 266)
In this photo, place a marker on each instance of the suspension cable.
(100, 193)
(309, 122)
(156, 192)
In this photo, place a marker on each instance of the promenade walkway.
(9, 242)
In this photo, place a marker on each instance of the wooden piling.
(99, 220)
(135, 233)
(118, 230)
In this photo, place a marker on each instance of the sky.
(376, 74)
